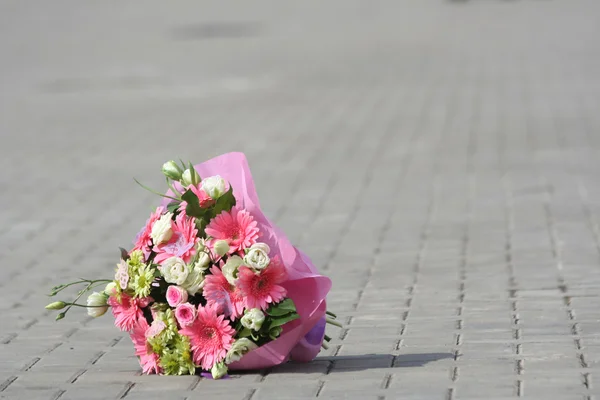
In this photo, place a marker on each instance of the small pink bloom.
(204, 199)
(143, 240)
(148, 359)
(176, 295)
(259, 290)
(182, 243)
(126, 310)
(219, 293)
(237, 227)
(185, 314)
(156, 328)
(210, 337)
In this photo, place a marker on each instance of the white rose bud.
(253, 319)
(230, 268)
(190, 177)
(162, 229)
(238, 349)
(221, 247)
(203, 261)
(110, 288)
(257, 257)
(214, 186)
(172, 170)
(174, 270)
(96, 304)
(218, 370)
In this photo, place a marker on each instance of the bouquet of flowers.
(210, 282)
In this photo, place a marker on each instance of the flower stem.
(154, 191)
(334, 322)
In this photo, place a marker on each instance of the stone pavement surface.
(437, 159)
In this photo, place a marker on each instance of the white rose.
(194, 282)
(238, 349)
(230, 268)
(174, 270)
(214, 186)
(253, 319)
(263, 246)
(161, 230)
(257, 257)
(96, 304)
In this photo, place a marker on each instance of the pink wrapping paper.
(305, 286)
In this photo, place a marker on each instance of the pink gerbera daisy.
(237, 227)
(182, 243)
(127, 310)
(219, 293)
(258, 290)
(210, 337)
(143, 241)
(148, 359)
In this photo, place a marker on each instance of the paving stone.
(437, 159)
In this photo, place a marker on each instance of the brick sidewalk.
(437, 159)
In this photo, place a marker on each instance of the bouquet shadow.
(335, 364)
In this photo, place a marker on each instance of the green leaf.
(283, 320)
(225, 202)
(194, 173)
(193, 208)
(124, 254)
(172, 207)
(245, 333)
(285, 307)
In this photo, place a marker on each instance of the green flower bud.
(57, 305)
(172, 170)
(60, 316)
(221, 247)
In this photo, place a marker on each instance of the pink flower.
(237, 227)
(148, 359)
(185, 314)
(155, 329)
(258, 290)
(210, 337)
(127, 310)
(183, 242)
(176, 295)
(204, 199)
(143, 241)
(219, 293)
